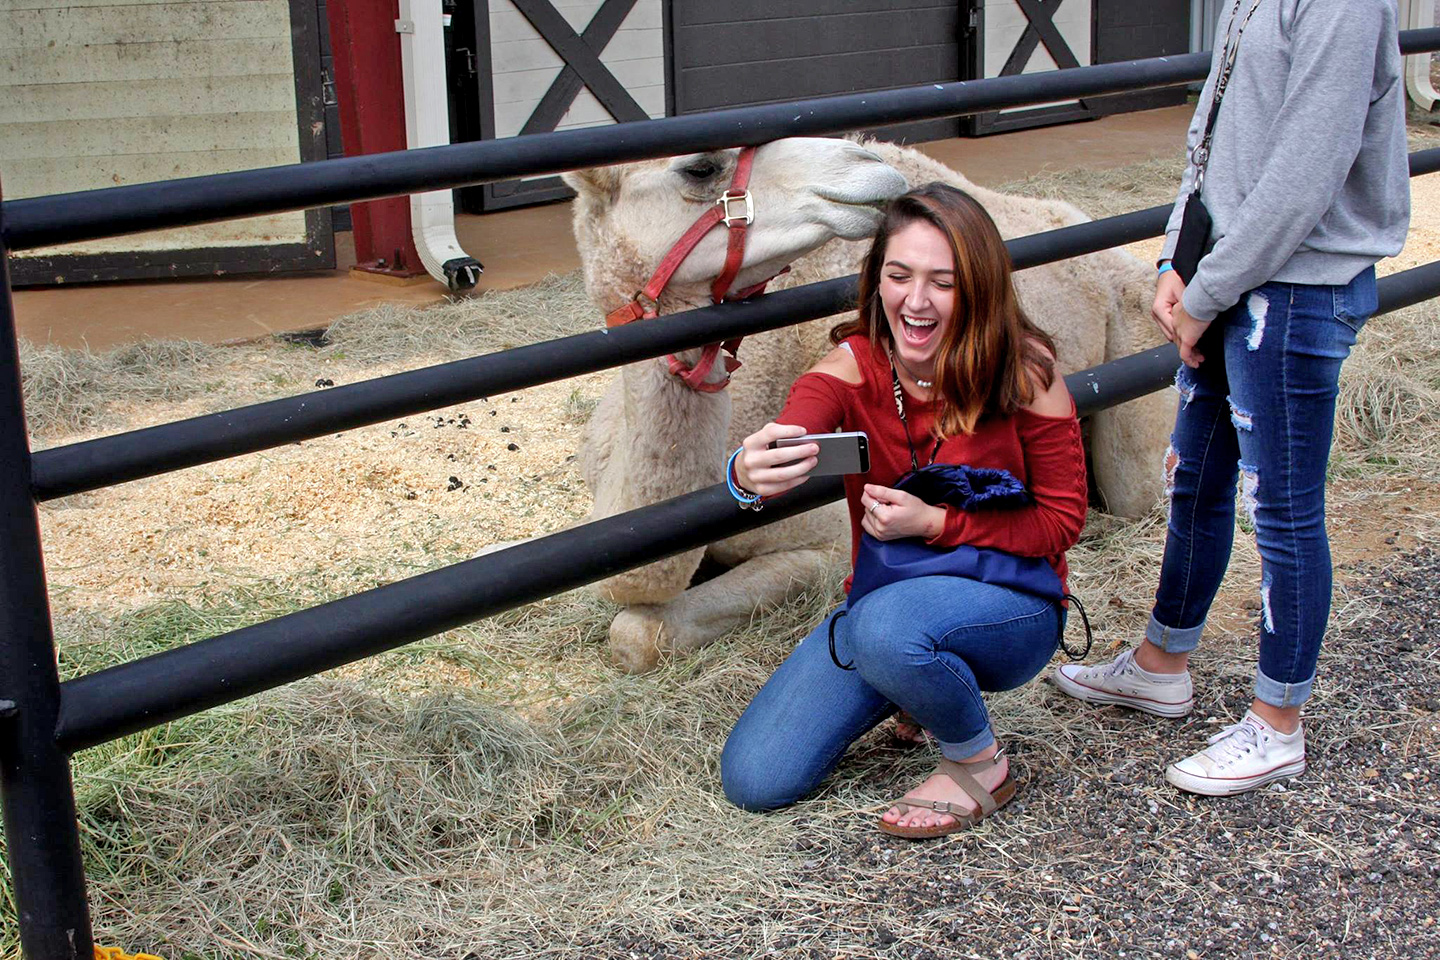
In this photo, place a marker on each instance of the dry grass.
(1108, 192)
(80, 392)
(500, 790)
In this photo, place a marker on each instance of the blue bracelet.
(1164, 268)
(747, 500)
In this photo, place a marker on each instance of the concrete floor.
(517, 247)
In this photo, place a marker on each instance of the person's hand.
(893, 514)
(769, 472)
(1188, 332)
(1169, 288)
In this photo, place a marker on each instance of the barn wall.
(95, 93)
(747, 52)
(1132, 29)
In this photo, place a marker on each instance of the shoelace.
(1119, 664)
(1234, 741)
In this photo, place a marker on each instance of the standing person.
(1308, 186)
(939, 366)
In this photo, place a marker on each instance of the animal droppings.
(324, 382)
(504, 429)
(512, 446)
(455, 483)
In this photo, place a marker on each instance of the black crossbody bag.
(1196, 225)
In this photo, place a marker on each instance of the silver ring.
(873, 505)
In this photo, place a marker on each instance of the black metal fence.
(43, 721)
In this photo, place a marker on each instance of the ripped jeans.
(1261, 408)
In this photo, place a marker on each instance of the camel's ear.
(600, 183)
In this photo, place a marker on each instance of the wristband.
(1165, 268)
(746, 499)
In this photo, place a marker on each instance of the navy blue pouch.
(968, 488)
(882, 562)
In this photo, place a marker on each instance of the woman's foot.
(907, 731)
(941, 787)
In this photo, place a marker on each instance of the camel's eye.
(700, 170)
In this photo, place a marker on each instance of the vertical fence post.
(35, 788)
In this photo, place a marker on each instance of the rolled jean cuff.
(967, 748)
(1173, 639)
(1279, 694)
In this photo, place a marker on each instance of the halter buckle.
(747, 212)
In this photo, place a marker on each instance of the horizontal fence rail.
(92, 464)
(113, 211)
(139, 694)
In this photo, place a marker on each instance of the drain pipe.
(1419, 14)
(427, 124)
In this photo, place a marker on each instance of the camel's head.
(806, 192)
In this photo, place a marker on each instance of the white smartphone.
(840, 453)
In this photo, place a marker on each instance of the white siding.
(95, 93)
(523, 65)
(1005, 24)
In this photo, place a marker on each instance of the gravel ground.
(1098, 857)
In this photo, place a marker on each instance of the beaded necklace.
(900, 409)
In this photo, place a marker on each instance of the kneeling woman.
(939, 366)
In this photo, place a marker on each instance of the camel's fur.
(652, 438)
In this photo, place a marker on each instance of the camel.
(816, 203)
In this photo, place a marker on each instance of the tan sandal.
(964, 819)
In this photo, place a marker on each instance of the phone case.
(840, 453)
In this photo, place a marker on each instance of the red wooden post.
(371, 91)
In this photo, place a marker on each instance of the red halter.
(736, 210)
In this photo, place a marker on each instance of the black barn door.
(747, 52)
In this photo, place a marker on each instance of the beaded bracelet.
(746, 499)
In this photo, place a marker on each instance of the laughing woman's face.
(917, 291)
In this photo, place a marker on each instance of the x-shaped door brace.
(581, 54)
(1041, 27)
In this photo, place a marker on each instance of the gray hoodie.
(1308, 180)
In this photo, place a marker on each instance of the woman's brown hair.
(990, 355)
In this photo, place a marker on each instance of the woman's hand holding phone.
(768, 472)
(893, 514)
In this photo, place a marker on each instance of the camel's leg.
(1127, 450)
(1128, 442)
(640, 635)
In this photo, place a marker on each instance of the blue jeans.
(929, 645)
(1260, 408)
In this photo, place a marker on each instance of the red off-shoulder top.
(1043, 452)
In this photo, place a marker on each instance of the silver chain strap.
(1201, 154)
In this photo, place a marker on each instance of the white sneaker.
(1241, 757)
(1122, 682)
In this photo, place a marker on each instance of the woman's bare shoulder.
(1052, 401)
(839, 363)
